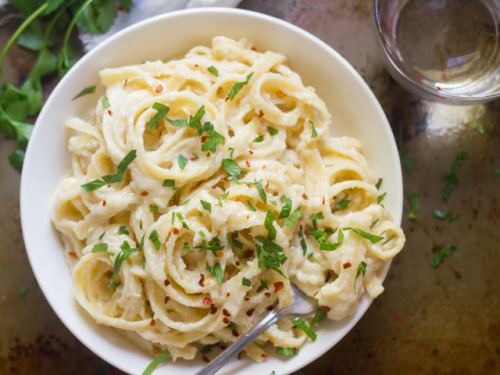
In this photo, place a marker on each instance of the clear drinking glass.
(442, 50)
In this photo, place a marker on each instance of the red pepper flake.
(196, 65)
(235, 333)
(248, 217)
(166, 282)
(167, 299)
(438, 88)
(205, 358)
(228, 294)
(346, 265)
(247, 163)
(144, 193)
(237, 263)
(72, 254)
(315, 293)
(250, 312)
(278, 285)
(159, 89)
(192, 158)
(251, 152)
(208, 154)
(175, 231)
(267, 294)
(400, 320)
(267, 185)
(213, 309)
(465, 201)
(324, 201)
(227, 98)
(204, 139)
(304, 196)
(247, 298)
(109, 112)
(325, 308)
(226, 321)
(226, 313)
(152, 322)
(202, 278)
(264, 166)
(261, 113)
(263, 355)
(294, 351)
(207, 301)
(104, 203)
(254, 49)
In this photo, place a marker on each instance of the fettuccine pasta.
(201, 188)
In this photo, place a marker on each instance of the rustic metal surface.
(443, 320)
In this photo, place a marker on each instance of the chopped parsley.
(360, 270)
(304, 327)
(270, 255)
(414, 200)
(371, 237)
(153, 208)
(451, 175)
(314, 134)
(206, 205)
(182, 161)
(405, 156)
(105, 101)
(233, 241)
(156, 362)
(246, 282)
(85, 91)
(480, 128)
(232, 168)
(381, 197)
(217, 272)
(259, 139)
(237, 86)
(303, 244)
(160, 115)
(286, 208)
(260, 189)
(343, 203)
(441, 254)
(154, 237)
(168, 182)
(192, 122)
(99, 247)
(317, 316)
(213, 139)
(109, 179)
(272, 131)
(213, 245)
(251, 206)
(127, 251)
(268, 224)
(123, 230)
(286, 352)
(294, 217)
(438, 214)
(212, 69)
(331, 246)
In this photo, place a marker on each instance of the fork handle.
(239, 344)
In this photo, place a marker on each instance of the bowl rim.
(28, 179)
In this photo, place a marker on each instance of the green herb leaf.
(441, 254)
(246, 282)
(317, 317)
(438, 214)
(160, 115)
(294, 217)
(270, 255)
(213, 140)
(480, 128)
(93, 185)
(233, 241)
(237, 86)
(304, 327)
(286, 352)
(405, 156)
(156, 362)
(451, 176)
(261, 191)
(120, 258)
(251, 206)
(109, 179)
(381, 197)
(232, 168)
(272, 131)
(342, 204)
(123, 230)
(99, 247)
(212, 69)
(154, 237)
(331, 246)
(264, 284)
(371, 237)
(414, 200)
(218, 273)
(268, 224)
(303, 244)
(206, 205)
(23, 291)
(105, 101)
(379, 182)
(286, 208)
(169, 182)
(259, 139)
(182, 161)
(153, 208)
(360, 270)
(314, 134)
(85, 91)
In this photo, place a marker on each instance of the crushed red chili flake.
(346, 265)
(228, 294)
(144, 193)
(227, 98)
(235, 333)
(205, 358)
(159, 89)
(399, 319)
(192, 158)
(264, 166)
(223, 347)
(325, 308)
(251, 152)
(438, 88)
(226, 321)
(261, 113)
(267, 294)
(324, 201)
(249, 186)
(304, 196)
(202, 278)
(208, 154)
(72, 254)
(175, 231)
(263, 355)
(207, 301)
(315, 293)
(166, 282)
(237, 263)
(213, 309)
(109, 112)
(104, 203)
(152, 322)
(278, 285)
(121, 8)
(166, 299)
(204, 139)
(225, 312)
(248, 217)
(250, 312)
(267, 185)
(247, 163)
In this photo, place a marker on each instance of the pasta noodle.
(215, 185)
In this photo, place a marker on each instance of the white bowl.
(355, 112)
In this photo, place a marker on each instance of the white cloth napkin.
(142, 9)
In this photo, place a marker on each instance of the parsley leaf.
(442, 253)
(206, 205)
(160, 115)
(212, 69)
(314, 134)
(294, 217)
(451, 176)
(371, 237)
(268, 224)
(169, 182)
(154, 237)
(438, 214)
(246, 282)
(232, 168)
(182, 161)
(262, 193)
(360, 270)
(414, 200)
(237, 86)
(342, 204)
(120, 258)
(217, 272)
(85, 91)
(272, 131)
(287, 207)
(233, 241)
(156, 362)
(304, 327)
(99, 247)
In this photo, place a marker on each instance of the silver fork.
(301, 305)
